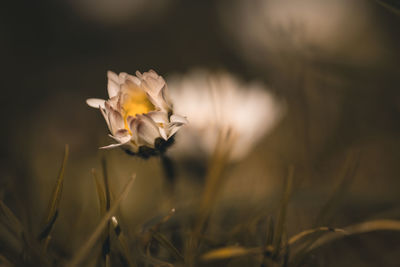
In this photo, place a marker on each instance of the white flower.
(139, 113)
(217, 102)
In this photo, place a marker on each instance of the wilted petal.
(95, 102)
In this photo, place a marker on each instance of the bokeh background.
(334, 64)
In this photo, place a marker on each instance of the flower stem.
(169, 173)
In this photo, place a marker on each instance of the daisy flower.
(138, 113)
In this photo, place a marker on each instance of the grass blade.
(11, 221)
(391, 5)
(168, 245)
(347, 177)
(280, 223)
(54, 204)
(309, 232)
(106, 243)
(83, 252)
(230, 252)
(122, 240)
(100, 193)
(364, 227)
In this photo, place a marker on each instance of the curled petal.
(112, 76)
(173, 128)
(158, 102)
(151, 81)
(113, 84)
(158, 116)
(122, 136)
(133, 79)
(178, 118)
(95, 102)
(104, 113)
(115, 119)
(147, 130)
(163, 133)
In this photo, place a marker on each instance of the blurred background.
(335, 65)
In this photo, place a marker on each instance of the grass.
(183, 237)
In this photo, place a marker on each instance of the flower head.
(138, 112)
(219, 102)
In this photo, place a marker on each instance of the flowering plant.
(138, 113)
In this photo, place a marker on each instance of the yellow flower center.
(136, 102)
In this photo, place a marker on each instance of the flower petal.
(158, 116)
(95, 102)
(113, 84)
(104, 113)
(116, 120)
(147, 130)
(163, 133)
(178, 118)
(173, 128)
(151, 81)
(111, 146)
(121, 136)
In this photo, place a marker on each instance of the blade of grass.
(350, 168)
(100, 193)
(393, 6)
(149, 260)
(270, 231)
(344, 181)
(309, 232)
(214, 179)
(147, 234)
(229, 252)
(11, 221)
(281, 221)
(29, 244)
(106, 243)
(122, 240)
(153, 233)
(360, 228)
(102, 210)
(54, 204)
(100, 227)
(168, 245)
(4, 261)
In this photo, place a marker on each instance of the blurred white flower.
(220, 102)
(139, 114)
